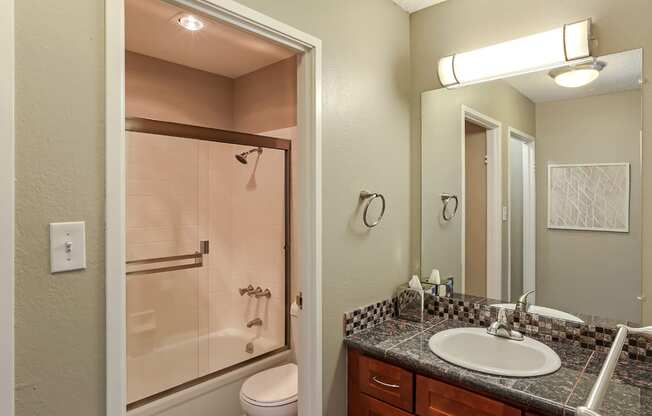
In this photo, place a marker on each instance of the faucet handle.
(502, 316)
(246, 290)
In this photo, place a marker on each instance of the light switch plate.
(67, 246)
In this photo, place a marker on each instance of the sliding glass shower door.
(207, 253)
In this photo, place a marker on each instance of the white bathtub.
(159, 368)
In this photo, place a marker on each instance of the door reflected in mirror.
(546, 168)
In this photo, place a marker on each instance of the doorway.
(308, 62)
(482, 195)
(521, 215)
(475, 206)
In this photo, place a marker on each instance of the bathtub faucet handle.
(263, 293)
(249, 290)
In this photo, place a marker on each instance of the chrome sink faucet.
(502, 328)
(522, 304)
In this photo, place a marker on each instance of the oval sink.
(474, 349)
(542, 310)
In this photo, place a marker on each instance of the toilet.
(273, 392)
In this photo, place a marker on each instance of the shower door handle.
(198, 256)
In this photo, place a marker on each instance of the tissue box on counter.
(410, 301)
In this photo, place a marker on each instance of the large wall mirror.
(534, 183)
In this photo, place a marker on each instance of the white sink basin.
(542, 310)
(474, 349)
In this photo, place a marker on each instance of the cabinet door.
(373, 407)
(435, 398)
(387, 382)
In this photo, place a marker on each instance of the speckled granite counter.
(405, 344)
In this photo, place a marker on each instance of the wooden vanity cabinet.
(376, 388)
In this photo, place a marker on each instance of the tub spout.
(255, 322)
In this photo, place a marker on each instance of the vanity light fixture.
(190, 22)
(575, 76)
(554, 48)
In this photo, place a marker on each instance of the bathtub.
(156, 369)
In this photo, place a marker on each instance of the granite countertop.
(405, 344)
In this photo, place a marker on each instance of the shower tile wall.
(188, 323)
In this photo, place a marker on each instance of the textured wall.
(60, 177)
(60, 169)
(460, 25)
(577, 270)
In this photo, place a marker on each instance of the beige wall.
(266, 99)
(441, 159)
(460, 25)
(576, 270)
(162, 90)
(60, 342)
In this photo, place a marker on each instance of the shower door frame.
(190, 132)
(309, 116)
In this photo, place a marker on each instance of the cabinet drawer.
(386, 382)
(372, 407)
(435, 398)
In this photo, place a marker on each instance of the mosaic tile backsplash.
(595, 334)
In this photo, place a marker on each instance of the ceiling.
(412, 6)
(152, 29)
(622, 73)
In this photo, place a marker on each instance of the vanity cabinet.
(376, 388)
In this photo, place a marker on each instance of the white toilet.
(273, 392)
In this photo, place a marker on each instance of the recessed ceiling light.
(577, 75)
(190, 22)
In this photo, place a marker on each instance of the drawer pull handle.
(391, 386)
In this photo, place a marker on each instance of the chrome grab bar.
(599, 390)
(198, 256)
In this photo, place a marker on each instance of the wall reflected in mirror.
(548, 179)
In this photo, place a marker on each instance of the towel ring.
(370, 196)
(446, 199)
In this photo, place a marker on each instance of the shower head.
(242, 157)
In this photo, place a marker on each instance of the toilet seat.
(274, 387)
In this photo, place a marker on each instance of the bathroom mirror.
(534, 183)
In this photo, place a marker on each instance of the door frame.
(310, 192)
(529, 213)
(7, 206)
(494, 198)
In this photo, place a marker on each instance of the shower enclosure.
(208, 255)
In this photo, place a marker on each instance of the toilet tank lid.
(278, 384)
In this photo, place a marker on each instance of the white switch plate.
(67, 246)
(505, 213)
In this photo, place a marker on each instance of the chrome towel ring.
(370, 196)
(446, 199)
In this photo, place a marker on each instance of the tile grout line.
(577, 382)
(418, 333)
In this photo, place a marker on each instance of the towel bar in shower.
(198, 256)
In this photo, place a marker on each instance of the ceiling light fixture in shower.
(190, 22)
(242, 157)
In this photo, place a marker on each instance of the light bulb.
(190, 22)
